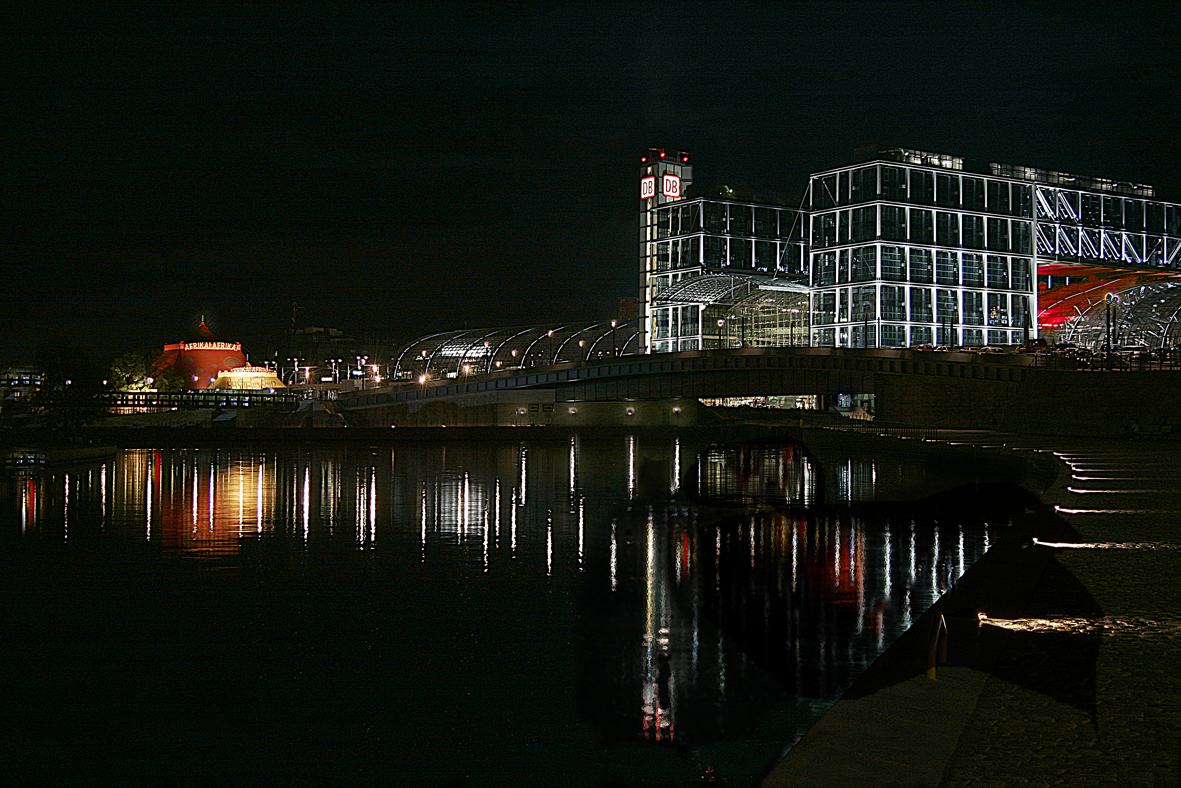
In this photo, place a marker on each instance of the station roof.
(729, 290)
(485, 350)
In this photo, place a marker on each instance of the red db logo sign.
(647, 187)
(671, 186)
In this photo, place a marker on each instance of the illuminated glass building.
(906, 249)
(684, 236)
(911, 250)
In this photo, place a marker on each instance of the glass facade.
(1075, 226)
(705, 235)
(908, 249)
(930, 250)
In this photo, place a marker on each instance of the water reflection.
(715, 633)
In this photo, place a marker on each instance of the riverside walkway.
(1072, 679)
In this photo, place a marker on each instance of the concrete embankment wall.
(1045, 402)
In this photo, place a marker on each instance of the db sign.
(648, 187)
(671, 186)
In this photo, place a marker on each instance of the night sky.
(398, 170)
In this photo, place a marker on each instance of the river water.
(622, 611)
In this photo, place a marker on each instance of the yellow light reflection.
(1108, 625)
(1065, 510)
(1081, 491)
(614, 554)
(1106, 545)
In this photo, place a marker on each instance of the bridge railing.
(873, 428)
(204, 398)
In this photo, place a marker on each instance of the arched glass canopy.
(482, 351)
(1147, 314)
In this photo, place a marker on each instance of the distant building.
(19, 383)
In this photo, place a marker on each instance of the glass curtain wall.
(1079, 226)
(905, 255)
(714, 235)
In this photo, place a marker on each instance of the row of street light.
(297, 371)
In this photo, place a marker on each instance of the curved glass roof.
(725, 289)
(1147, 314)
(485, 350)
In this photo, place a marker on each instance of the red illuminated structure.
(199, 360)
(1088, 289)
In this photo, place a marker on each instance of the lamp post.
(614, 352)
(1107, 299)
(361, 369)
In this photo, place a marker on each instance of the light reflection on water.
(725, 636)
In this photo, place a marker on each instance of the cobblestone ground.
(1124, 499)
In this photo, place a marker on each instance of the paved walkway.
(1073, 677)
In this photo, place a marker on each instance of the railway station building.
(905, 248)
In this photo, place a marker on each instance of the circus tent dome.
(199, 359)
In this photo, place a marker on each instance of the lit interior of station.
(729, 310)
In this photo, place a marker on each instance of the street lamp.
(1109, 299)
(614, 352)
(361, 369)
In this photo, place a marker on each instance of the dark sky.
(404, 169)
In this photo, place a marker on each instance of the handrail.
(936, 645)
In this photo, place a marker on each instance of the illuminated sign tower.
(664, 179)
